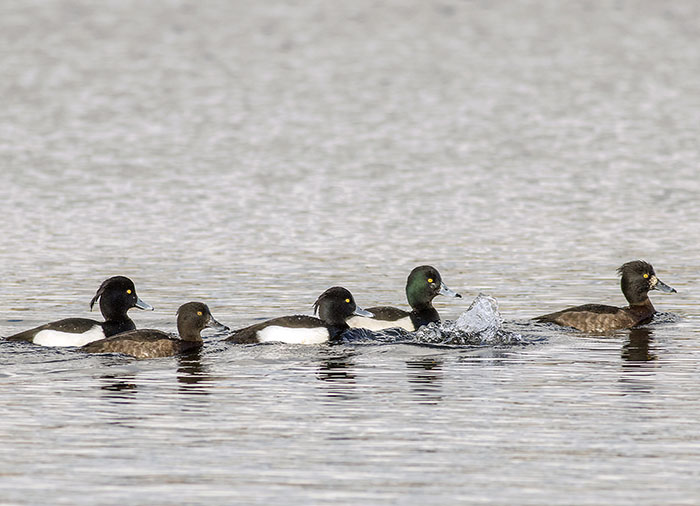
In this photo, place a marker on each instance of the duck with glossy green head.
(424, 283)
(638, 278)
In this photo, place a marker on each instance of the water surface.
(252, 155)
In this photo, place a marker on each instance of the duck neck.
(112, 327)
(336, 329)
(424, 315)
(192, 336)
(419, 298)
(186, 346)
(645, 306)
(189, 334)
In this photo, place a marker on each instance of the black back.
(388, 313)
(69, 325)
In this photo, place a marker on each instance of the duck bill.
(362, 312)
(663, 287)
(143, 305)
(447, 292)
(213, 324)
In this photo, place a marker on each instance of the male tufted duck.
(424, 283)
(117, 295)
(334, 307)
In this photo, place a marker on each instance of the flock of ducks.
(336, 309)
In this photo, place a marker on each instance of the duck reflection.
(425, 377)
(637, 347)
(487, 356)
(638, 363)
(119, 388)
(339, 376)
(338, 369)
(192, 374)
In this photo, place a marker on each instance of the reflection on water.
(192, 374)
(425, 377)
(487, 356)
(118, 388)
(337, 369)
(639, 363)
(338, 377)
(637, 346)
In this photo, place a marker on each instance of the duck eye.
(645, 275)
(199, 313)
(430, 280)
(347, 300)
(129, 291)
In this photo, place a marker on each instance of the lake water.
(252, 154)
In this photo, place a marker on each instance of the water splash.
(481, 324)
(661, 318)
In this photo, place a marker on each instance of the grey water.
(252, 154)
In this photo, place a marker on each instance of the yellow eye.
(347, 300)
(645, 275)
(199, 313)
(129, 291)
(430, 280)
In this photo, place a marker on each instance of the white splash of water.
(480, 324)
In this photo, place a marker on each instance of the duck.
(192, 318)
(638, 278)
(424, 283)
(334, 307)
(116, 295)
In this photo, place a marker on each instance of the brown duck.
(192, 318)
(638, 278)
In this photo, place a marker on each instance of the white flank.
(276, 333)
(360, 322)
(55, 338)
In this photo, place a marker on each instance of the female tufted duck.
(192, 318)
(638, 278)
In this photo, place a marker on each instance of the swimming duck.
(424, 283)
(638, 278)
(117, 295)
(333, 306)
(192, 318)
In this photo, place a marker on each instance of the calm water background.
(251, 155)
